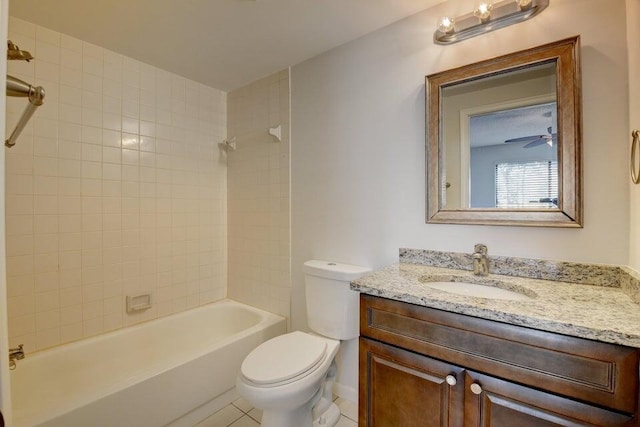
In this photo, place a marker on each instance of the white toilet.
(291, 377)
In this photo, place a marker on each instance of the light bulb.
(483, 12)
(446, 24)
(524, 4)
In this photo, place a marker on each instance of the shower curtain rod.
(17, 87)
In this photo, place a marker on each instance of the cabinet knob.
(451, 380)
(475, 388)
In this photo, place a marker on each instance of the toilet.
(290, 377)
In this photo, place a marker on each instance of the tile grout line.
(237, 419)
(350, 419)
(240, 409)
(258, 421)
(244, 413)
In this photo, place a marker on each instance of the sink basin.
(492, 289)
(480, 291)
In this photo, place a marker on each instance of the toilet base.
(329, 418)
(301, 418)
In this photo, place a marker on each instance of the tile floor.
(242, 414)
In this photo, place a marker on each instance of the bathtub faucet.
(15, 354)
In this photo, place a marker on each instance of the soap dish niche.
(138, 303)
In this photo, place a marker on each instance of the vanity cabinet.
(426, 367)
(407, 389)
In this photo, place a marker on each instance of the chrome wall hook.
(228, 144)
(276, 132)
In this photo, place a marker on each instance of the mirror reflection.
(500, 141)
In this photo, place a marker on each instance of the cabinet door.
(399, 388)
(498, 403)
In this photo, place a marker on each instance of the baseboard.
(345, 392)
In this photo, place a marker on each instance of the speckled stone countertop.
(603, 313)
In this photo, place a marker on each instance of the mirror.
(504, 140)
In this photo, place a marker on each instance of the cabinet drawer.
(604, 374)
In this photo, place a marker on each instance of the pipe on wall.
(19, 88)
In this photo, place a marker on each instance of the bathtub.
(158, 373)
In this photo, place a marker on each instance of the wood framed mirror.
(504, 140)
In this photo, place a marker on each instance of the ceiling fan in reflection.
(535, 140)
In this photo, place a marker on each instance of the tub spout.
(15, 354)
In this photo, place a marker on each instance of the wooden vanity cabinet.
(425, 367)
(407, 389)
(504, 403)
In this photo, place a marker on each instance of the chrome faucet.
(15, 354)
(480, 263)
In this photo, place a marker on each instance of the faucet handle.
(480, 248)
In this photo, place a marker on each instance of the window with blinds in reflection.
(528, 185)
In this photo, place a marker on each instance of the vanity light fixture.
(486, 17)
(446, 25)
(524, 4)
(483, 12)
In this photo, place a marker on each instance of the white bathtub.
(151, 374)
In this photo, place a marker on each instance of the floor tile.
(243, 405)
(223, 418)
(346, 422)
(256, 414)
(245, 421)
(241, 414)
(348, 408)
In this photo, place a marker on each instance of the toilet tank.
(333, 310)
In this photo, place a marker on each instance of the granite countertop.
(601, 313)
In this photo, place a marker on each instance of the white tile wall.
(258, 195)
(116, 187)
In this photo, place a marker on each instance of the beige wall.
(358, 166)
(115, 188)
(258, 195)
(633, 48)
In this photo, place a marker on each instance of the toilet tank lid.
(334, 270)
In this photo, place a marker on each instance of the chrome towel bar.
(635, 158)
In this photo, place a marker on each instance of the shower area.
(123, 202)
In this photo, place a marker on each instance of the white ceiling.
(496, 127)
(222, 43)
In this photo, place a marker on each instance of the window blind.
(531, 185)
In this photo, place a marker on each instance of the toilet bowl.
(284, 375)
(290, 377)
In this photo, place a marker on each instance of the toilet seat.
(284, 359)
